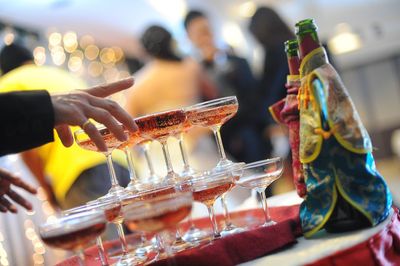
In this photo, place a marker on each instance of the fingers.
(17, 181)
(111, 88)
(115, 110)
(95, 136)
(104, 117)
(7, 204)
(64, 133)
(19, 199)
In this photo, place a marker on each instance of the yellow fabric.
(273, 114)
(62, 165)
(310, 143)
(304, 68)
(292, 78)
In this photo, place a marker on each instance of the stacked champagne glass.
(156, 206)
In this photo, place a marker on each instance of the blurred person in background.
(271, 32)
(166, 81)
(243, 135)
(76, 175)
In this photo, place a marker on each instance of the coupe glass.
(259, 175)
(159, 214)
(74, 232)
(116, 191)
(99, 242)
(207, 188)
(112, 211)
(193, 234)
(160, 126)
(83, 140)
(213, 114)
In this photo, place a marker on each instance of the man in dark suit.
(243, 135)
(27, 120)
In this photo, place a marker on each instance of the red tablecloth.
(228, 250)
(382, 248)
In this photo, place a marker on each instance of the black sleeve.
(26, 120)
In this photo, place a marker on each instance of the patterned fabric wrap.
(286, 112)
(335, 150)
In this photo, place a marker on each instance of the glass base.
(135, 186)
(269, 223)
(196, 235)
(181, 245)
(153, 179)
(171, 179)
(225, 165)
(131, 259)
(114, 193)
(231, 229)
(188, 172)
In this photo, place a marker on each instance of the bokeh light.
(91, 52)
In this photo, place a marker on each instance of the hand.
(6, 180)
(75, 108)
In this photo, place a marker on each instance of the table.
(374, 246)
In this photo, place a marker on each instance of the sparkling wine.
(259, 180)
(133, 139)
(157, 193)
(111, 141)
(161, 125)
(75, 237)
(212, 116)
(207, 195)
(160, 220)
(147, 195)
(113, 213)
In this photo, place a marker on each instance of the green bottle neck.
(308, 41)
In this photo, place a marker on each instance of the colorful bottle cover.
(335, 148)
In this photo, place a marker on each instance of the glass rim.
(210, 102)
(261, 162)
(159, 113)
(129, 196)
(223, 173)
(88, 217)
(143, 209)
(91, 207)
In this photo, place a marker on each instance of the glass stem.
(186, 166)
(160, 244)
(148, 159)
(113, 176)
(122, 239)
(167, 158)
(213, 221)
(217, 134)
(81, 258)
(226, 213)
(131, 168)
(192, 226)
(263, 197)
(102, 253)
(178, 237)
